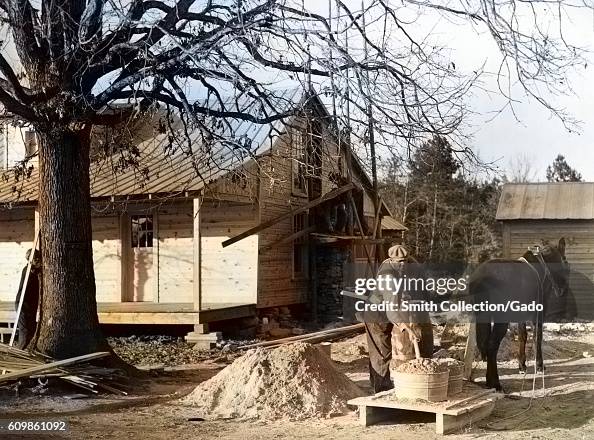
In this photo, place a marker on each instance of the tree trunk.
(69, 325)
(433, 222)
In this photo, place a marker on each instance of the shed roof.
(547, 201)
(389, 223)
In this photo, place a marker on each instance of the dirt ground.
(563, 410)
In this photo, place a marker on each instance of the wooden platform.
(157, 313)
(471, 405)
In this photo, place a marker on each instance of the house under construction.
(179, 241)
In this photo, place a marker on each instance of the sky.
(529, 133)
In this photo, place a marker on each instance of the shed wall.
(579, 236)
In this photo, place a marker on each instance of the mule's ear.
(561, 246)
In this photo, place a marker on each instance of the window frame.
(299, 164)
(142, 231)
(301, 244)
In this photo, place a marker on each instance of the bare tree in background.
(521, 169)
(100, 62)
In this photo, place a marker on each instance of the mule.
(532, 279)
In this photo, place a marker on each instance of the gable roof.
(547, 201)
(173, 170)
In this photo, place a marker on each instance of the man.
(395, 328)
(27, 322)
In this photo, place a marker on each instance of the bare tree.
(521, 169)
(88, 63)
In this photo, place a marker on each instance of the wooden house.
(533, 213)
(159, 226)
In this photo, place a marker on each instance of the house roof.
(391, 224)
(173, 168)
(166, 170)
(547, 201)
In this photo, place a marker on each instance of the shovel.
(413, 338)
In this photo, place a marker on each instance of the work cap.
(398, 253)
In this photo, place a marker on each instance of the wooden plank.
(361, 232)
(24, 287)
(222, 314)
(467, 400)
(328, 196)
(370, 415)
(52, 365)
(204, 316)
(469, 351)
(309, 336)
(288, 239)
(197, 247)
(445, 424)
(450, 407)
(147, 318)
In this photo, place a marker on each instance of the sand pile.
(422, 366)
(293, 381)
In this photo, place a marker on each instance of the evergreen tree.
(560, 171)
(450, 218)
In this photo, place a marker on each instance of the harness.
(547, 273)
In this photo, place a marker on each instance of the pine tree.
(560, 171)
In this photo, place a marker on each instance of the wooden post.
(37, 221)
(197, 243)
(470, 349)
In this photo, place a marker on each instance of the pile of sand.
(422, 366)
(293, 381)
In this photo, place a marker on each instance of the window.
(307, 161)
(300, 257)
(30, 143)
(299, 168)
(141, 231)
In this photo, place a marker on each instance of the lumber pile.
(312, 338)
(18, 364)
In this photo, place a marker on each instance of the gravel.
(422, 366)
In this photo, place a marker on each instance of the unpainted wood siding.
(230, 274)
(107, 257)
(579, 236)
(175, 253)
(17, 228)
(277, 285)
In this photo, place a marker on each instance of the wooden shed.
(158, 235)
(533, 213)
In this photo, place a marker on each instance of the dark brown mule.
(532, 279)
